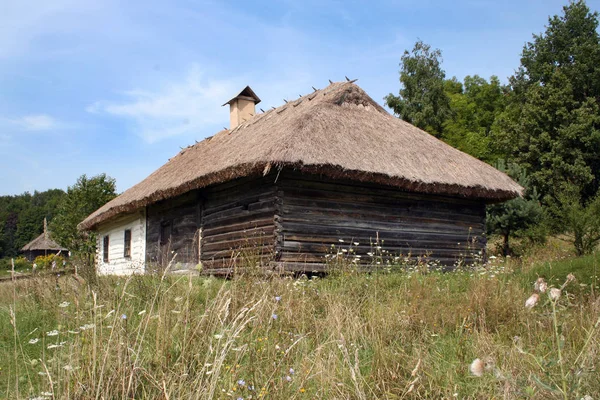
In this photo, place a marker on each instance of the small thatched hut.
(291, 182)
(43, 246)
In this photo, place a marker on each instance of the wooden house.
(43, 245)
(330, 172)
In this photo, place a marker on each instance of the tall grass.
(403, 334)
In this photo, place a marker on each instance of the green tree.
(551, 124)
(422, 100)
(514, 218)
(22, 218)
(475, 106)
(581, 218)
(83, 198)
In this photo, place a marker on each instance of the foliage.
(22, 218)
(460, 113)
(46, 262)
(475, 104)
(581, 218)
(514, 217)
(551, 123)
(380, 335)
(21, 263)
(83, 198)
(422, 100)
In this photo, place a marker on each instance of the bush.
(21, 263)
(580, 218)
(45, 262)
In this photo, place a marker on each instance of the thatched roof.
(339, 132)
(43, 242)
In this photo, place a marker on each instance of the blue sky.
(119, 86)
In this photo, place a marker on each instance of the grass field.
(407, 333)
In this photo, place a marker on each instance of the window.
(105, 249)
(127, 244)
(165, 233)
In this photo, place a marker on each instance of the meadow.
(400, 332)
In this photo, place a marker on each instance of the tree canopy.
(551, 123)
(83, 198)
(22, 218)
(422, 100)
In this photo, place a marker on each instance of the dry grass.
(387, 335)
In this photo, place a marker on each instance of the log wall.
(317, 213)
(172, 232)
(238, 227)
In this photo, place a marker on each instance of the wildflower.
(477, 367)
(277, 298)
(555, 293)
(241, 382)
(64, 304)
(356, 243)
(288, 378)
(292, 371)
(341, 240)
(540, 285)
(302, 390)
(52, 333)
(34, 341)
(274, 316)
(532, 300)
(124, 316)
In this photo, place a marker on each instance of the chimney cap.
(246, 94)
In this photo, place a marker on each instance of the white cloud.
(34, 122)
(40, 122)
(176, 108)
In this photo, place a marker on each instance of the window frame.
(105, 249)
(127, 243)
(166, 232)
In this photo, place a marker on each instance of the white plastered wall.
(117, 263)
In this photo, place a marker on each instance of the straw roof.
(43, 242)
(338, 132)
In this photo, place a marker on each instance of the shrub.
(580, 218)
(45, 262)
(20, 263)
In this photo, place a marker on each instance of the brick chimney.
(241, 107)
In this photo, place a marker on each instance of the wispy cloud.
(34, 122)
(176, 108)
(40, 122)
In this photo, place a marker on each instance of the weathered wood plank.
(315, 214)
